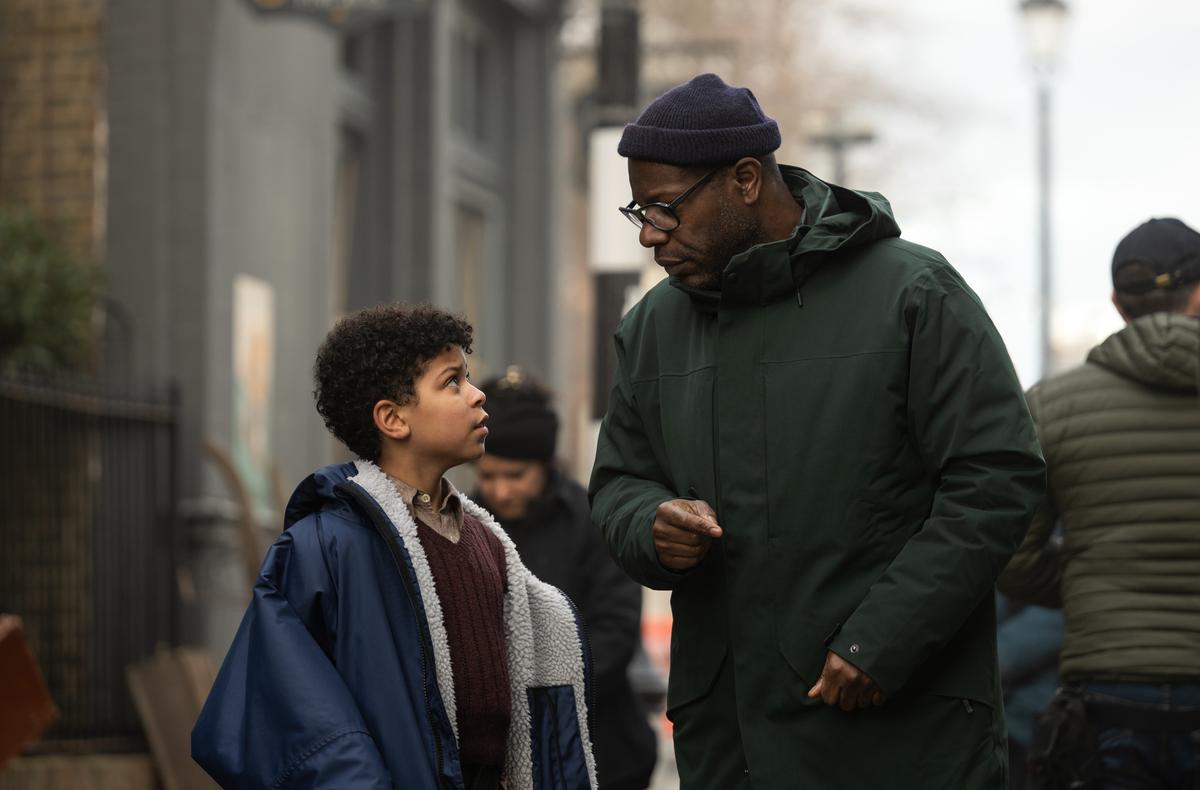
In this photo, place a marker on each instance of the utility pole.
(838, 139)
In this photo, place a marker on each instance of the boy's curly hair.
(378, 354)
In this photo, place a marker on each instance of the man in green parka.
(817, 442)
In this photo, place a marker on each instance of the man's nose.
(650, 236)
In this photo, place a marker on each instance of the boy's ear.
(391, 420)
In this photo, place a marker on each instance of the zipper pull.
(799, 301)
(967, 704)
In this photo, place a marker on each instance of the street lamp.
(1044, 21)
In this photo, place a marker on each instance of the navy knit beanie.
(702, 122)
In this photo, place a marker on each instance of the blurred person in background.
(816, 440)
(1121, 434)
(1028, 642)
(546, 514)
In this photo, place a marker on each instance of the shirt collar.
(413, 497)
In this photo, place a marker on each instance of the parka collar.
(835, 218)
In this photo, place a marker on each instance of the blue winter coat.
(340, 676)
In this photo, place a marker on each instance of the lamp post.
(1044, 23)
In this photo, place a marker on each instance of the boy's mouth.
(482, 424)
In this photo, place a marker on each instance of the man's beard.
(736, 233)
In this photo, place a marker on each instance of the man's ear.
(1193, 305)
(748, 174)
(1116, 300)
(391, 420)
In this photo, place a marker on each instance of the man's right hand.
(683, 530)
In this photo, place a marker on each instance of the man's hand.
(845, 685)
(683, 530)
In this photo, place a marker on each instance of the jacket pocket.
(965, 668)
(699, 634)
(814, 405)
(681, 406)
(555, 742)
(802, 643)
(693, 674)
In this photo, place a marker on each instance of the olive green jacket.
(849, 410)
(1122, 440)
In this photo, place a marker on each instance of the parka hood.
(1161, 350)
(836, 219)
(317, 489)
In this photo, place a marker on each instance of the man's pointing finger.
(689, 516)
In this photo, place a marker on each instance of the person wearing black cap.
(546, 514)
(1121, 434)
(816, 440)
(1156, 269)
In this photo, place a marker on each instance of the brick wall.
(52, 118)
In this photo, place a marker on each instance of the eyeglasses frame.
(637, 214)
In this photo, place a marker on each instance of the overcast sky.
(959, 162)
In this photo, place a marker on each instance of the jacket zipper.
(372, 510)
(589, 691)
(716, 435)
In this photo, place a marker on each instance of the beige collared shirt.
(447, 521)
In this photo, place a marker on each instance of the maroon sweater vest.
(470, 577)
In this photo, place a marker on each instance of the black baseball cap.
(1160, 254)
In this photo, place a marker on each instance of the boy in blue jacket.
(394, 638)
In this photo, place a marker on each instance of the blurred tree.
(779, 49)
(47, 298)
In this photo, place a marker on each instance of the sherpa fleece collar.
(549, 654)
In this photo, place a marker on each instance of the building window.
(470, 226)
(470, 84)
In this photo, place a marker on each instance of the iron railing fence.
(88, 544)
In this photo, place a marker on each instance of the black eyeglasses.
(661, 215)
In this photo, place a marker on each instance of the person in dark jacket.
(394, 638)
(547, 516)
(1027, 642)
(816, 440)
(1121, 434)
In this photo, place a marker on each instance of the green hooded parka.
(848, 409)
